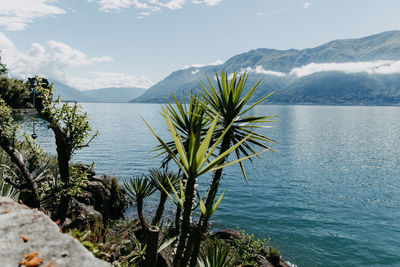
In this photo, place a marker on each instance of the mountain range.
(113, 94)
(349, 72)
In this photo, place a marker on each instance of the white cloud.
(118, 5)
(391, 68)
(17, 14)
(109, 79)
(172, 4)
(142, 15)
(261, 70)
(148, 5)
(193, 72)
(207, 2)
(48, 60)
(371, 67)
(307, 5)
(199, 65)
(53, 59)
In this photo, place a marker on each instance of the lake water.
(330, 197)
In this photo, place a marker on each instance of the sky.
(91, 44)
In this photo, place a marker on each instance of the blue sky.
(102, 43)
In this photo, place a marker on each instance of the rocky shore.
(25, 231)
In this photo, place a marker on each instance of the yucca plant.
(138, 188)
(185, 117)
(215, 255)
(229, 102)
(193, 160)
(6, 189)
(163, 180)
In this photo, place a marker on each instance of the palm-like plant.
(229, 102)
(163, 180)
(6, 189)
(138, 188)
(216, 255)
(194, 160)
(185, 117)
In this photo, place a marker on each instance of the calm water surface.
(330, 197)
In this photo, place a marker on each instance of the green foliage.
(3, 68)
(139, 187)
(7, 190)
(65, 119)
(7, 124)
(274, 255)
(164, 179)
(216, 253)
(229, 102)
(14, 91)
(90, 240)
(196, 159)
(79, 178)
(72, 132)
(246, 247)
(192, 149)
(38, 161)
(185, 117)
(138, 255)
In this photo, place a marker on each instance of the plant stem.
(203, 221)
(160, 209)
(186, 221)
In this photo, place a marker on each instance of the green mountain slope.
(335, 88)
(299, 90)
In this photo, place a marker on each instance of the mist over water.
(330, 197)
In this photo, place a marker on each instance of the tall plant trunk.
(142, 219)
(151, 246)
(203, 221)
(160, 209)
(63, 165)
(178, 219)
(189, 246)
(186, 221)
(29, 183)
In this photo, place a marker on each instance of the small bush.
(274, 255)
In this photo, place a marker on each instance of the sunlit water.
(330, 197)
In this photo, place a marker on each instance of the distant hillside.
(282, 72)
(338, 88)
(68, 93)
(114, 94)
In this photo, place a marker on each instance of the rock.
(82, 215)
(229, 234)
(105, 196)
(43, 236)
(262, 261)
